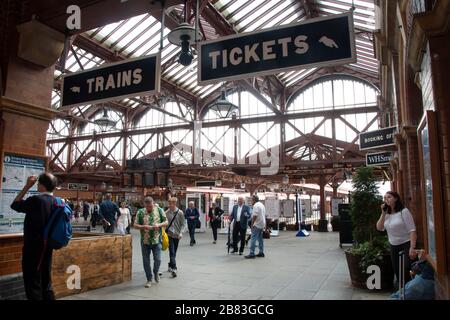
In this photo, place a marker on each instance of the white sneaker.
(174, 273)
(148, 284)
(157, 278)
(170, 270)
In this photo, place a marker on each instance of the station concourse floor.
(293, 269)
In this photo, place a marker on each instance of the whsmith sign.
(130, 78)
(316, 42)
(377, 139)
(378, 159)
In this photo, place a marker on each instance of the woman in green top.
(150, 220)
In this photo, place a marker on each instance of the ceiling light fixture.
(184, 35)
(223, 107)
(105, 123)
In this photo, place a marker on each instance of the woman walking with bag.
(401, 230)
(175, 232)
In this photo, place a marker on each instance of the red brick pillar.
(25, 103)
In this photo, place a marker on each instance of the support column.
(323, 222)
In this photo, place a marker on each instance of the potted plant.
(370, 246)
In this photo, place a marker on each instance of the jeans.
(257, 234)
(37, 281)
(395, 250)
(146, 250)
(191, 227)
(173, 247)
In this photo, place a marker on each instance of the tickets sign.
(323, 41)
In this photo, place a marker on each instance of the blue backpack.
(58, 231)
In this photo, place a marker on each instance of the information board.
(16, 170)
(273, 208)
(288, 208)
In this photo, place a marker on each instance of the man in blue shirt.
(192, 215)
(107, 213)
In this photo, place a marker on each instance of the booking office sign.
(128, 78)
(323, 41)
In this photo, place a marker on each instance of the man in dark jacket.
(240, 216)
(107, 213)
(36, 258)
(85, 210)
(192, 215)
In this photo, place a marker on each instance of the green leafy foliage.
(369, 243)
(365, 206)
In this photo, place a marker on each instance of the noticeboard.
(16, 170)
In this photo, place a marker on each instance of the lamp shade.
(223, 107)
(105, 123)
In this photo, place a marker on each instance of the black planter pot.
(335, 223)
(359, 276)
(323, 225)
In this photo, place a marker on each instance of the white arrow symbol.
(328, 42)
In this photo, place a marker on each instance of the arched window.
(334, 93)
(152, 117)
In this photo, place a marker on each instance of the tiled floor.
(293, 269)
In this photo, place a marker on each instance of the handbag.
(165, 236)
(198, 224)
(266, 234)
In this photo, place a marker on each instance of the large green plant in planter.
(370, 246)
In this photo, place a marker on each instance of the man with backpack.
(175, 232)
(36, 255)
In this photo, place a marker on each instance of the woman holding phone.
(401, 230)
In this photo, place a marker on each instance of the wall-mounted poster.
(430, 172)
(16, 170)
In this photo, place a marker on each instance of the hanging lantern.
(105, 123)
(223, 107)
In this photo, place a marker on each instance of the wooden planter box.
(104, 260)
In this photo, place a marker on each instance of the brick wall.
(23, 134)
(29, 83)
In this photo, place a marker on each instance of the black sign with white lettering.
(115, 81)
(378, 159)
(316, 42)
(377, 139)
